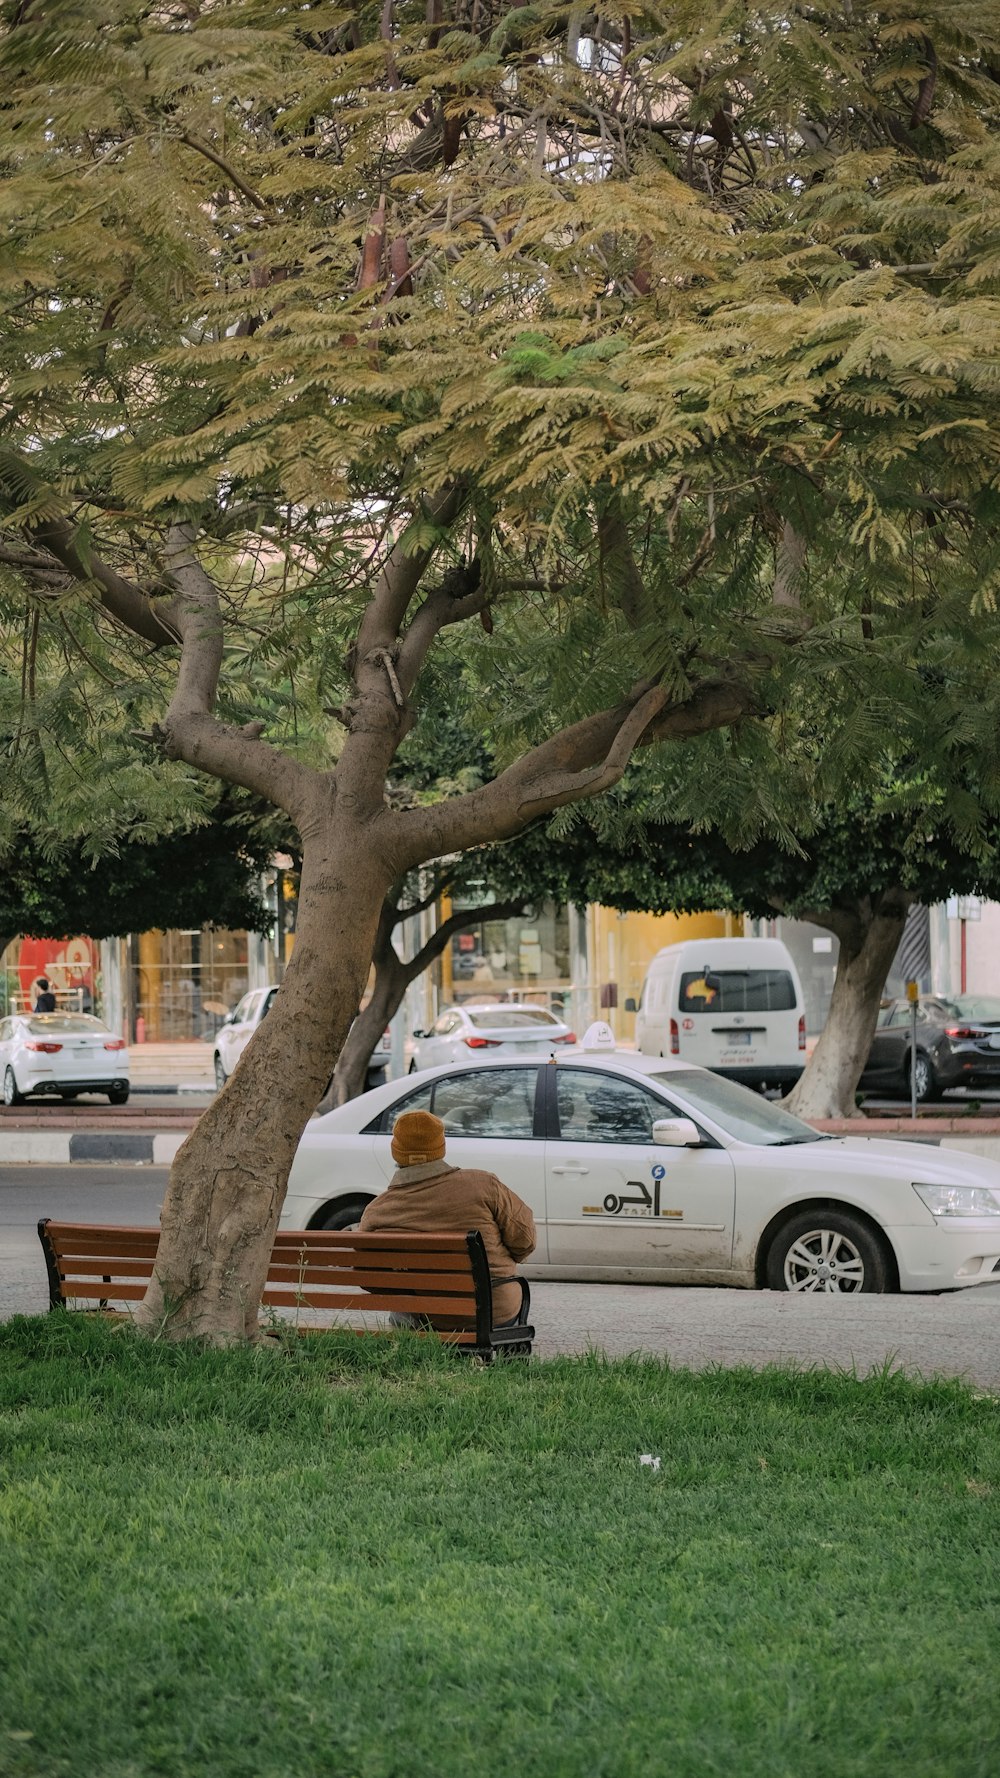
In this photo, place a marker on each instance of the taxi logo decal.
(635, 1200)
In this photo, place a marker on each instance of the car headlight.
(958, 1200)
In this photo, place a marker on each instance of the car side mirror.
(676, 1132)
(630, 1005)
(419, 1034)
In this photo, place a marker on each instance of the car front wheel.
(345, 1216)
(11, 1096)
(924, 1077)
(829, 1251)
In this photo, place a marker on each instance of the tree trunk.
(827, 1087)
(351, 1072)
(392, 978)
(228, 1181)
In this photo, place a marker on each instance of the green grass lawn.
(365, 1559)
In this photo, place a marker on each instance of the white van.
(730, 1004)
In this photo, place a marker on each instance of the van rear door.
(738, 1018)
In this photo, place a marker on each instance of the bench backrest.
(442, 1276)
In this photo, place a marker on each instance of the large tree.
(598, 343)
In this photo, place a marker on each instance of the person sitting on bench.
(428, 1196)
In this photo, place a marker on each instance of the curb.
(60, 1148)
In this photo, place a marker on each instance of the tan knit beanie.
(417, 1137)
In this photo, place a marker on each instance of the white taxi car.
(61, 1052)
(650, 1170)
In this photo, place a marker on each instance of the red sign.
(68, 963)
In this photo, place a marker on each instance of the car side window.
(269, 1002)
(418, 1100)
(444, 1024)
(488, 1102)
(5, 1031)
(483, 1102)
(597, 1107)
(241, 1010)
(900, 1016)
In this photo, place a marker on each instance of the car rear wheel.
(11, 1096)
(118, 1095)
(220, 1074)
(924, 1077)
(346, 1215)
(829, 1251)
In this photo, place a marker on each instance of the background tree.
(856, 867)
(209, 875)
(616, 352)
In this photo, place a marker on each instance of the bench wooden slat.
(392, 1259)
(116, 1248)
(374, 1242)
(106, 1266)
(333, 1277)
(330, 1271)
(112, 1293)
(381, 1304)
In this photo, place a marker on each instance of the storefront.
(153, 987)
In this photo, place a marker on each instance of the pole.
(913, 996)
(964, 956)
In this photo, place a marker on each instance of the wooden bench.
(338, 1274)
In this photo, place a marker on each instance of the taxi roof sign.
(598, 1036)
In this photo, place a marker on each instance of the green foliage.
(739, 271)
(207, 875)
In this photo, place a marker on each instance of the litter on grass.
(649, 1460)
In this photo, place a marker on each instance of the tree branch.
(229, 172)
(401, 577)
(579, 761)
(120, 597)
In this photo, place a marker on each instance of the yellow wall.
(619, 948)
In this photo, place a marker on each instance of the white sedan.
(460, 1031)
(643, 1169)
(61, 1052)
(238, 1027)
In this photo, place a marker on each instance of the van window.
(737, 990)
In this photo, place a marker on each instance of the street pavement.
(952, 1335)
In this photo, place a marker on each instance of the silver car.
(460, 1033)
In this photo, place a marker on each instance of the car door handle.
(571, 1169)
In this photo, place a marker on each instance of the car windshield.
(509, 1018)
(738, 1111)
(63, 1021)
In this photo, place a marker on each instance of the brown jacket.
(439, 1199)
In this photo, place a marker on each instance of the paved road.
(956, 1335)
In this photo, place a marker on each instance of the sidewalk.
(171, 1067)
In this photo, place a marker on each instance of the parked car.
(62, 1053)
(958, 1045)
(511, 1030)
(235, 1033)
(648, 1170)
